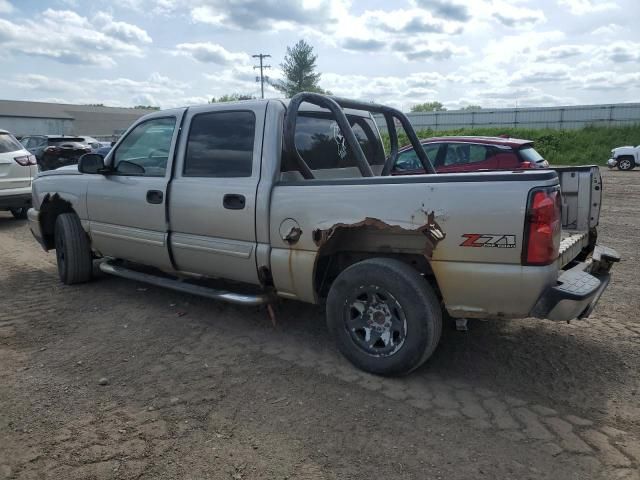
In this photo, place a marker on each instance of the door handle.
(154, 196)
(233, 201)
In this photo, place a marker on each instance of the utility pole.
(262, 67)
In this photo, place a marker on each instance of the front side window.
(220, 144)
(145, 150)
(409, 160)
(323, 146)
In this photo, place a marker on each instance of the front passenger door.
(126, 207)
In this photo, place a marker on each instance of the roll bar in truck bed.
(336, 105)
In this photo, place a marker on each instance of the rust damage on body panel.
(430, 229)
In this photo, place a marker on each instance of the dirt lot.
(115, 379)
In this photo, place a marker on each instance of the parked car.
(17, 169)
(54, 151)
(104, 149)
(90, 141)
(277, 199)
(625, 158)
(468, 154)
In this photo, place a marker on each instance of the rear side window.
(529, 154)
(9, 144)
(220, 144)
(323, 146)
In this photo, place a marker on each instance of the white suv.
(17, 169)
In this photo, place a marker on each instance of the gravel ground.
(115, 379)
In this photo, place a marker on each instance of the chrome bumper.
(612, 162)
(577, 290)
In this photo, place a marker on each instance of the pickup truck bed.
(294, 200)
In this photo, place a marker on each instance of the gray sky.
(491, 53)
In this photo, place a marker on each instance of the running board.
(237, 298)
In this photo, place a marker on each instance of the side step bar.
(237, 298)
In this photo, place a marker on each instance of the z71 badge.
(488, 240)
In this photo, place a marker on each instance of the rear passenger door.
(212, 199)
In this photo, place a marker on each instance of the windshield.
(8, 143)
(529, 154)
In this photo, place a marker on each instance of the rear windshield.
(9, 144)
(529, 154)
(56, 140)
(323, 146)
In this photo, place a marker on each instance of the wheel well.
(328, 267)
(630, 157)
(51, 207)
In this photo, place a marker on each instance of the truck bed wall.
(431, 214)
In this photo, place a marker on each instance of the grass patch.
(589, 145)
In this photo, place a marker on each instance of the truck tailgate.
(581, 199)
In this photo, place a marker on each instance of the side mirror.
(113, 143)
(91, 163)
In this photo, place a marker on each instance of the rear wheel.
(626, 163)
(384, 316)
(19, 213)
(73, 251)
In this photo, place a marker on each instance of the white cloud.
(80, 42)
(266, 14)
(5, 6)
(207, 52)
(516, 16)
(123, 31)
(621, 52)
(582, 7)
(542, 73)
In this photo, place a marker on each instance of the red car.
(469, 154)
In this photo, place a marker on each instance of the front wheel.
(73, 251)
(384, 316)
(626, 163)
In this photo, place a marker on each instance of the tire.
(626, 163)
(73, 251)
(396, 305)
(19, 213)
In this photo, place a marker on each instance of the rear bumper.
(15, 201)
(577, 290)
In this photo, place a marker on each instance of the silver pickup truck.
(250, 201)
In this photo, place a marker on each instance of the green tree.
(471, 107)
(299, 71)
(428, 107)
(233, 97)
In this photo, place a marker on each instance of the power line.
(262, 67)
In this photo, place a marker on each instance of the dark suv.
(54, 151)
(470, 154)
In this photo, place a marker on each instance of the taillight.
(26, 160)
(526, 165)
(542, 228)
